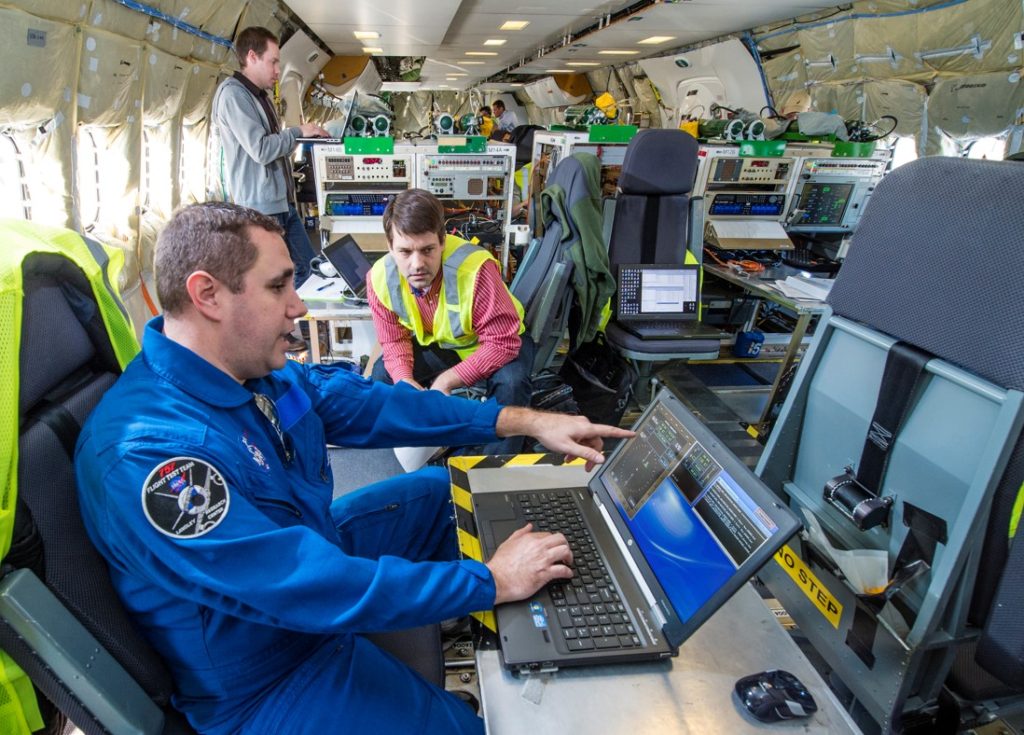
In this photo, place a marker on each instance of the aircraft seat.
(901, 440)
(656, 221)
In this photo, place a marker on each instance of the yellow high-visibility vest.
(453, 319)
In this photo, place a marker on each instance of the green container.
(385, 146)
(462, 144)
(762, 148)
(846, 149)
(612, 133)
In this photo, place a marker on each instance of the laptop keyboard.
(589, 614)
(657, 328)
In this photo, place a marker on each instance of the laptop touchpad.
(501, 530)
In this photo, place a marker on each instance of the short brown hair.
(212, 237)
(498, 103)
(253, 38)
(414, 212)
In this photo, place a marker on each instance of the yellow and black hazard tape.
(465, 523)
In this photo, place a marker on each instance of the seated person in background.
(443, 316)
(204, 480)
(504, 120)
(486, 121)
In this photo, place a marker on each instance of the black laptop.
(668, 528)
(350, 262)
(658, 301)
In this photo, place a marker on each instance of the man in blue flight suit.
(204, 481)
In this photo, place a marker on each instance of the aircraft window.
(904, 151)
(88, 178)
(14, 195)
(216, 184)
(991, 148)
(158, 171)
(147, 165)
(192, 173)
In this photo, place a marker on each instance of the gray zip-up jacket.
(255, 160)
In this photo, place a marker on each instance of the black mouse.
(775, 695)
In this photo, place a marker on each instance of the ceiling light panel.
(366, 35)
(514, 25)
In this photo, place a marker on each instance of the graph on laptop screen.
(691, 519)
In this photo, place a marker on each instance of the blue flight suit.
(225, 545)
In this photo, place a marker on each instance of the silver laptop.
(668, 528)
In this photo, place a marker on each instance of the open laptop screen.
(657, 292)
(693, 521)
(350, 262)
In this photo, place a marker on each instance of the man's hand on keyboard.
(528, 560)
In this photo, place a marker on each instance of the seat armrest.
(87, 670)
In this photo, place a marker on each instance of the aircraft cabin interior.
(466, 366)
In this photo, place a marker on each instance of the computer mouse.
(775, 695)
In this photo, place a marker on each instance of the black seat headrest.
(659, 162)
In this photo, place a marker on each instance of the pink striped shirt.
(495, 322)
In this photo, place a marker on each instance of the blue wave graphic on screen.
(685, 558)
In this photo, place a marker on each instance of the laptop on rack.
(658, 301)
(350, 262)
(676, 524)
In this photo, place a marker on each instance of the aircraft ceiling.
(465, 44)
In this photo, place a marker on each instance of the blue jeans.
(299, 247)
(509, 385)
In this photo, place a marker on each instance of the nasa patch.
(185, 497)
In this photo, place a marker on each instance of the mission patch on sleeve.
(185, 497)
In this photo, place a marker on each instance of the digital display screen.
(823, 204)
(653, 292)
(691, 519)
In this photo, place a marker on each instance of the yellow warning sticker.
(804, 578)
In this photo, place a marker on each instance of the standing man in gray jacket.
(256, 150)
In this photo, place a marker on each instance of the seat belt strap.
(901, 378)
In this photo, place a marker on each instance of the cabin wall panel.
(902, 99)
(116, 18)
(37, 109)
(166, 79)
(824, 45)
(939, 94)
(202, 82)
(977, 105)
(990, 21)
(108, 74)
(66, 10)
(110, 79)
(261, 13)
(193, 12)
(35, 84)
(168, 38)
(893, 37)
